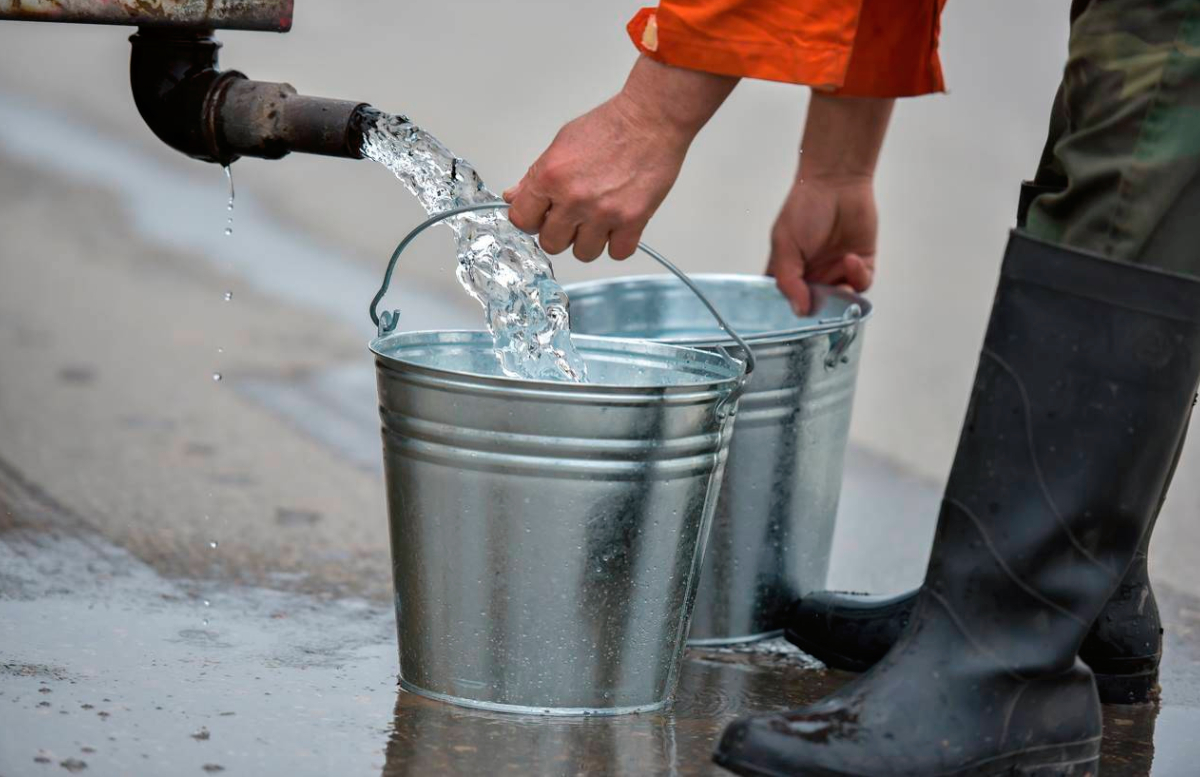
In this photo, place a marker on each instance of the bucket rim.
(722, 385)
(758, 338)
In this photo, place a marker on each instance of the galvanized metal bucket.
(547, 537)
(773, 529)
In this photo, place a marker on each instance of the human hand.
(825, 233)
(599, 182)
(827, 228)
(607, 172)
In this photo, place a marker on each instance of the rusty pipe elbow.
(172, 74)
(217, 116)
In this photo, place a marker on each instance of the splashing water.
(499, 265)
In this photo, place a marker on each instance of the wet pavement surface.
(106, 666)
(131, 645)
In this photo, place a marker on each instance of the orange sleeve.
(862, 48)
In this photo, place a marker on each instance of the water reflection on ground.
(107, 667)
(433, 738)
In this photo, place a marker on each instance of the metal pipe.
(219, 116)
(256, 118)
(267, 15)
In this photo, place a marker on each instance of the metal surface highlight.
(547, 536)
(773, 529)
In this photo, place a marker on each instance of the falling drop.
(213, 544)
(207, 603)
(229, 207)
(206, 621)
(220, 349)
(216, 377)
(228, 296)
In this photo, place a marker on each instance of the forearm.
(843, 137)
(672, 98)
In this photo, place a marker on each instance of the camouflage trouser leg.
(1124, 145)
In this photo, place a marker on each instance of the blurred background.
(238, 438)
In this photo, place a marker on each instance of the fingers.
(860, 271)
(589, 241)
(786, 265)
(529, 207)
(624, 241)
(851, 270)
(558, 230)
(795, 288)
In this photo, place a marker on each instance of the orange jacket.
(857, 48)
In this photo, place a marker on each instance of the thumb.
(528, 209)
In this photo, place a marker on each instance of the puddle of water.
(104, 663)
(98, 652)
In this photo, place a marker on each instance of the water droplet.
(220, 349)
(207, 603)
(229, 296)
(216, 376)
(229, 206)
(205, 621)
(213, 544)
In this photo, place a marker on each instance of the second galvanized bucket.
(773, 529)
(547, 537)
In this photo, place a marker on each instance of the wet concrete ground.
(122, 461)
(107, 667)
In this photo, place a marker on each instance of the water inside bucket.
(658, 308)
(610, 362)
(499, 265)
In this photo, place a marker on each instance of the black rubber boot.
(1084, 383)
(852, 632)
(846, 630)
(1123, 648)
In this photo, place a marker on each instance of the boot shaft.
(1085, 379)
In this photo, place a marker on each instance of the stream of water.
(499, 265)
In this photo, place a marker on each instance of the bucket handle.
(841, 340)
(386, 321)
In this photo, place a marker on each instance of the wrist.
(661, 98)
(842, 138)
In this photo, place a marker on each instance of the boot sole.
(1080, 759)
